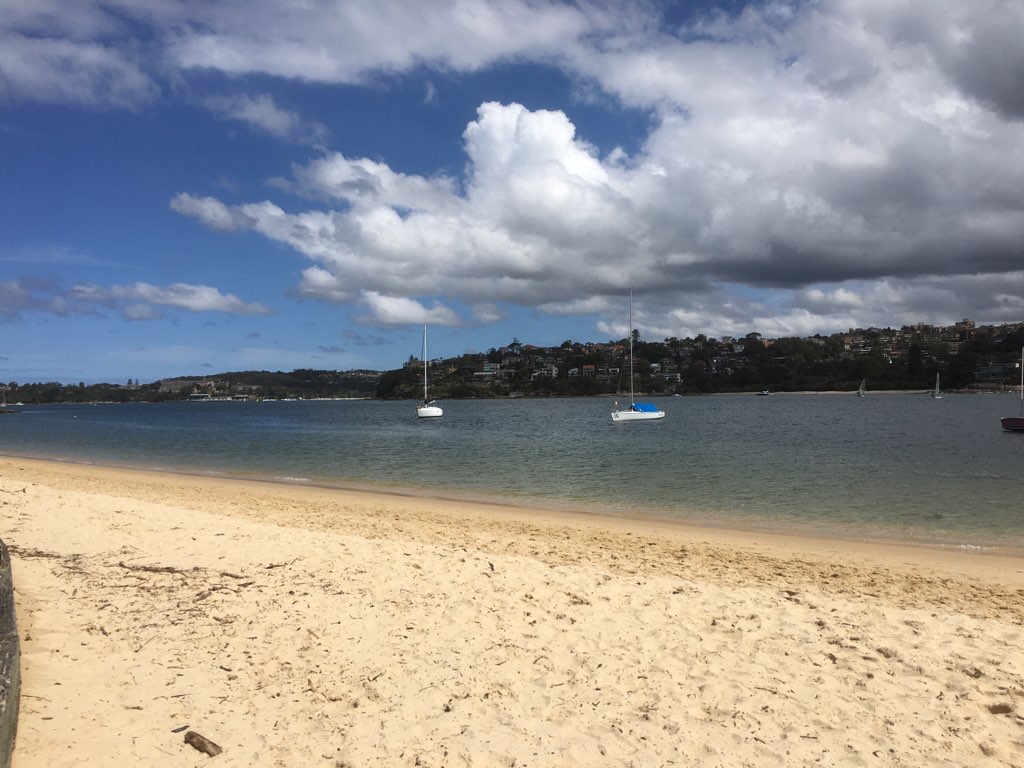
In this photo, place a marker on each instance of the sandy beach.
(301, 626)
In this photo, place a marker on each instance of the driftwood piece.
(203, 744)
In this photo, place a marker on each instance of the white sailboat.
(862, 390)
(428, 410)
(1016, 423)
(636, 411)
(937, 393)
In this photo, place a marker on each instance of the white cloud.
(361, 181)
(194, 298)
(318, 283)
(262, 114)
(542, 217)
(136, 301)
(835, 160)
(210, 211)
(71, 72)
(488, 313)
(588, 306)
(399, 310)
(139, 312)
(545, 221)
(430, 93)
(345, 42)
(137, 297)
(14, 299)
(23, 295)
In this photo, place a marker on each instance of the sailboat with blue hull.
(636, 411)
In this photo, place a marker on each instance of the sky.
(189, 188)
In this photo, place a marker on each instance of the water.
(896, 467)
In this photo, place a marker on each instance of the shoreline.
(1008, 390)
(534, 506)
(465, 513)
(295, 625)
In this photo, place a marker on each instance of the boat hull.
(620, 416)
(428, 412)
(1013, 423)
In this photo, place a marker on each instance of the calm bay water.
(902, 467)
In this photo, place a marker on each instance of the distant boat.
(862, 390)
(937, 393)
(428, 410)
(1016, 423)
(636, 411)
(764, 393)
(3, 402)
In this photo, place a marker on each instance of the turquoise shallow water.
(899, 467)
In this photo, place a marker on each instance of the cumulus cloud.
(807, 164)
(813, 156)
(542, 216)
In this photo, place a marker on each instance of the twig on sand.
(281, 565)
(154, 568)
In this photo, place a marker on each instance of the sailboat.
(937, 393)
(428, 410)
(862, 390)
(3, 402)
(1016, 423)
(636, 411)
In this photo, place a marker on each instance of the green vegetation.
(299, 384)
(903, 359)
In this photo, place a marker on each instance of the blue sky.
(191, 188)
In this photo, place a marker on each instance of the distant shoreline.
(602, 396)
(519, 396)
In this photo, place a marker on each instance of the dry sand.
(298, 626)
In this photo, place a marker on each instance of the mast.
(425, 363)
(630, 330)
(1022, 381)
